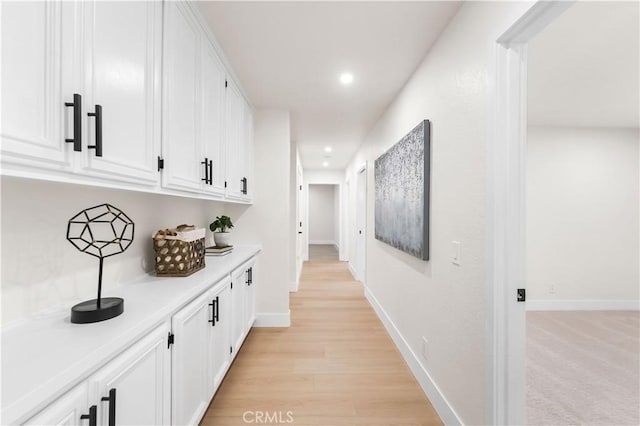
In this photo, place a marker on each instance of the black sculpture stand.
(89, 311)
(101, 231)
(96, 310)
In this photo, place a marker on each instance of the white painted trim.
(273, 319)
(583, 305)
(428, 385)
(293, 286)
(323, 242)
(353, 271)
(506, 213)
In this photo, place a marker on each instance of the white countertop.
(45, 357)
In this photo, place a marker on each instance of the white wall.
(582, 214)
(322, 223)
(42, 271)
(268, 221)
(436, 299)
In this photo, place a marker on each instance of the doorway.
(324, 221)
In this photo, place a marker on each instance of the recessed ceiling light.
(325, 164)
(327, 149)
(346, 78)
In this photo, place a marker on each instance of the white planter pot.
(221, 239)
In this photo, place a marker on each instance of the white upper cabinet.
(60, 60)
(122, 52)
(181, 145)
(37, 76)
(212, 124)
(233, 141)
(105, 92)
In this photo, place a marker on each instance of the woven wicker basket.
(178, 258)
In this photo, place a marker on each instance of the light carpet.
(583, 368)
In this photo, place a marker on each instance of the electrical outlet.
(425, 347)
(552, 288)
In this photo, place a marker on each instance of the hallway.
(335, 365)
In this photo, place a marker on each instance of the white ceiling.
(289, 55)
(583, 69)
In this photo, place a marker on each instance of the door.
(66, 410)
(181, 144)
(37, 81)
(213, 93)
(190, 388)
(220, 340)
(122, 51)
(361, 225)
(136, 386)
(238, 325)
(300, 238)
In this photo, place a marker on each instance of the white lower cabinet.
(67, 410)
(170, 375)
(200, 353)
(133, 389)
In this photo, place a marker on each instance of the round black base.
(88, 311)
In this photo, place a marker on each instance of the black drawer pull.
(112, 406)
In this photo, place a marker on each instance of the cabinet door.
(250, 296)
(66, 410)
(238, 324)
(181, 144)
(137, 383)
(190, 359)
(220, 341)
(122, 52)
(233, 141)
(213, 91)
(37, 41)
(247, 151)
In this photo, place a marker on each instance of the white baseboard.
(323, 242)
(429, 387)
(273, 320)
(353, 271)
(582, 305)
(293, 286)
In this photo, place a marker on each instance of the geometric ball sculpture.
(100, 231)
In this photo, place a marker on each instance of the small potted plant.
(219, 228)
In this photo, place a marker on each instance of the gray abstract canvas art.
(402, 193)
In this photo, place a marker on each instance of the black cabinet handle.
(205, 163)
(243, 187)
(210, 172)
(92, 416)
(77, 122)
(98, 115)
(217, 309)
(112, 406)
(251, 275)
(214, 311)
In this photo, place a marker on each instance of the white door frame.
(506, 217)
(360, 267)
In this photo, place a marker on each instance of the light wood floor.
(322, 252)
(335, 365)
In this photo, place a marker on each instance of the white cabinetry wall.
(60, 60)
(170, 375)
(113, 94)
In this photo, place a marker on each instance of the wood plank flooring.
(335, 365)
